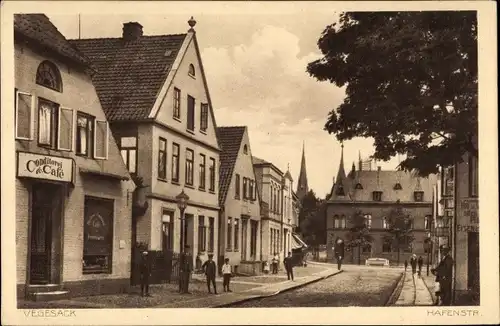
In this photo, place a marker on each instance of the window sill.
(212, 192)
(175, 182)
(83, 155)
(189, 186)
(202, 131)
(202, 189)
(229, 249)
(162, 180)
(178, 119)
(192, 76)
(189, 131)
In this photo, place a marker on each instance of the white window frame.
(73, 130)
(95, 139)
(32, 120)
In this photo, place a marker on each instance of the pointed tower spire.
(302, 186)
(360, 162)
(341, 173)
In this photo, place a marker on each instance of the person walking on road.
(226, 275)
(444, 273)
(210, 270)
(145, 273)
(413, 263)
(406, 264)
(288, 263)
(420, 262)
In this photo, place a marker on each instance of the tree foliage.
(312, 219)
(399, 228)
(411, 83)
(359, 234)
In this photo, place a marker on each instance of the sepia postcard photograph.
(319, 162)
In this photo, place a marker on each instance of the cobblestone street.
(356, 286)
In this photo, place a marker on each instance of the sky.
(255, 57)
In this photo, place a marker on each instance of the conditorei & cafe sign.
(44, 167)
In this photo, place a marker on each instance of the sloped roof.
(38, 28)
(229, 139)
(257, 160)
(385, 181)
(130, 74)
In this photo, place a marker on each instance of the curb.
(298, 286)
(397, 290)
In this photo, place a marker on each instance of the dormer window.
(340, 191)
(192, 72)
(49, 76)
(358, 186)
(418, 195)
(245, 149)
(397, 186)
(377, 196)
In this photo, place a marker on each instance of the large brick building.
(154, 93)
(375, 193)
(73, 209)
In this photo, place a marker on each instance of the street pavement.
(360, 286)
(414, 292)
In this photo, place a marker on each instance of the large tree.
(399, 229)
(411, 83)
(359, 234)
(312, 219)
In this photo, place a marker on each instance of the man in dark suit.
(186, 266)
(444, 274)
(288, 263)
(210, 270)
(145, 273)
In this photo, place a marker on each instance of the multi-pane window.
(473, 176)
(236, 233)
(190, 113)
(368, 220)
(211, 168)
(189, 166)
(253, 237)
(49, 76)
(418, 196)
(128, 149)
(167, 229)
(237, 187)
(336, 221)
(84, 134)
(211, 232)
(202, 171)
(202, 234)
(251, 191)
(162, 158)
(204, 117)
(229, 232)
(24, 115)
(177, 103)
(175, 162)
(245, 181)
(47, 123)
(377, 196)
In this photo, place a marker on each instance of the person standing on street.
(406, 264)
(288, 263)
(413, 263)
(210, 269)
(444, 274)
(275, 263)
(145, 273)
(420, 263)
(226, 275)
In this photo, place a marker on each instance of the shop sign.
(470, 210)
(467, 228)
(44, 167)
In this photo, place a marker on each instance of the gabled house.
(73, 209)
(239, 234)
(155, 95)
(375, 193)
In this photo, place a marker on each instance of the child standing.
(226, 275)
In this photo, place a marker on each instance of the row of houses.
(109, 133)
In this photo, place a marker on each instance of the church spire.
(302, 187)
(341, 173)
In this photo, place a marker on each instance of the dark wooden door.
(42, 210)
(473, 260)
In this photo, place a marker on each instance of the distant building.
(73, 203)
(154, 92)
(375, 193)
(239, 234)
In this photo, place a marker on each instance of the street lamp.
(428, 246)
(182, 200)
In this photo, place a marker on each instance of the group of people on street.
(413, 263)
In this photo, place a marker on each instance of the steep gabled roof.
(39, 29)
(130, 73)
(229, 139)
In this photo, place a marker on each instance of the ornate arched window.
(191, 70)
(49, 76)
(336, 221)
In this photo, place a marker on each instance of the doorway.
(244, 227)
(44, 239)
(473, 260)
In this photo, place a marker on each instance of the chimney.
(132, 31)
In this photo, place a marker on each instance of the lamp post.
(182, 200)
(428, 246)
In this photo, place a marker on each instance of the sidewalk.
(414, 292)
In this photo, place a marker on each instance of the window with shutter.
(47, 123)
(24, 115)
(101, 139)
(190, 113)
(65, 139)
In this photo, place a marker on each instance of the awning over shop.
(103, 174)
(297, 242)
